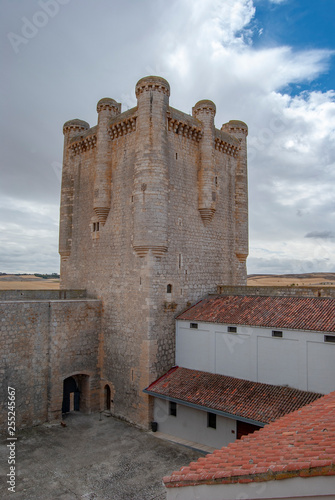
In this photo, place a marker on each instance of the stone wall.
(41, 344)
(42, 294)
(155, 222)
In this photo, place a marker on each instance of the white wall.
(299, 359)
(310, 488)
(191, 424)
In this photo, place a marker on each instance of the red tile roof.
(254, 401)
(299, 444)
(302, 313)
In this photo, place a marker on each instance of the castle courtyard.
(93, 459)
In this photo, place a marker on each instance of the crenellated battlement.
(152, 83)
(235, 127)
(75, 125)
(184, 125)
(106, 103)
(85, 143)
(226, 143)
(123, 124)
(204, 107)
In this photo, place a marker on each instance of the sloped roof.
(240, 399)
(302, 313)
(300, 444)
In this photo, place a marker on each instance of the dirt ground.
(91, 459)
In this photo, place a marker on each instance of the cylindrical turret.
(107, 108)
(151, 183)
(205, 111)
(240, 131)
(71, 129)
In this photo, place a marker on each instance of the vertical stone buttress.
(240, 131)
(71, 129)
(107, 109)
(151, 181)
(205, 111)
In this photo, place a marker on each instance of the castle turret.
(240, 131)
(107, 108)
(205, 111)
(150, 191)
(71, 129)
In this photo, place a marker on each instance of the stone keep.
(153, 216)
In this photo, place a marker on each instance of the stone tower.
(154, 216)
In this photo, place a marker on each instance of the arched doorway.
(107, 398)
(71, 395)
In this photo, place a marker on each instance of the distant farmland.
(308, 279)
(31, 282)
(27, 282)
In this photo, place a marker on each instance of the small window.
(173, 409)
(95, 226)
(180, 261)
(211, 420)
(216, 180)
(329, 338)
(232, 329)
(176, 156)
(277, 333)
(193, 325)
(169, 289)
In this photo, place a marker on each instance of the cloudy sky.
(270, 63)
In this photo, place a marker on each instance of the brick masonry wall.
(138, 329)
(41, 344)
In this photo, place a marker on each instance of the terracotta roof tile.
(240, 398)
(300, 439)
(302, 313)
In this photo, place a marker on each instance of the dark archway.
(71, 395)
(107, 397)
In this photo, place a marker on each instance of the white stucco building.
(273, 340)
(239, 356)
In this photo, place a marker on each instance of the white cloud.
(205, 50)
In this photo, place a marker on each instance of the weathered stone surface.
(177, 220)
(153, 217)
(41, 344)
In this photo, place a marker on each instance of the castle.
(153, 216)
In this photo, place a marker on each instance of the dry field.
(31, 282)
(27, 282)
(308, 279)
